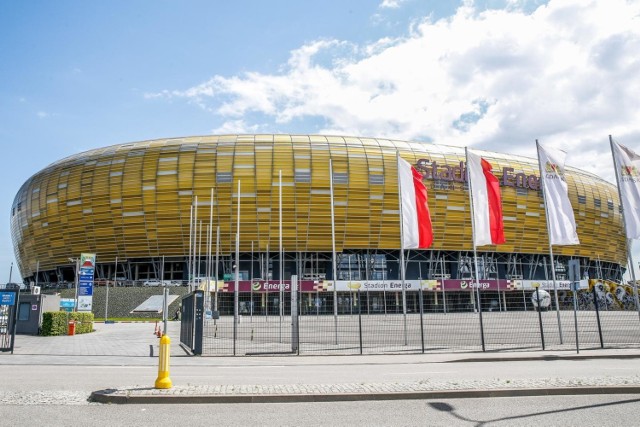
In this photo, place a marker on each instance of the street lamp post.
(106, 303)
(77, 261)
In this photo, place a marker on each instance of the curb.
(125, 397)
(551, 357)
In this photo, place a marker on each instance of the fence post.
(360, 318)
(420, 299)
(595, 303)
(295, 336)
(539, 306)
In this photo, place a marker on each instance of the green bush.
(57, 322)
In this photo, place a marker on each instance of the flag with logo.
(560, 218)
(627, 166)
(488, 226)
(416, 220)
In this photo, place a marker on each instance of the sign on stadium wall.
(432, 170)
(264, 286)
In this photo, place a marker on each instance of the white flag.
(627, 165)
(562, 223)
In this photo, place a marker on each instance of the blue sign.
(67, 303)
(85, 289)
(7, 298)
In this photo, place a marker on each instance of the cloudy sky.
(492, 74)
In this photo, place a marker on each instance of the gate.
(191, 317)
(8, 304)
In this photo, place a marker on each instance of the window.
(376, 179)
(442, 185)
(582, 199)
(610, 205)
(303, 175)
(340, 178)
(23, 311)
(224, 177)
(597, 203)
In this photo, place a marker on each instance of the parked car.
(156, 282)
(152, 282)
(120, 281)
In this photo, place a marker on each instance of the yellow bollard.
(163, 381)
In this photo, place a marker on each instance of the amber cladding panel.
(134, 200)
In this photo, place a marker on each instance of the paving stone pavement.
(369, 391)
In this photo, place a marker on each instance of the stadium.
(166, 212)
(133, 201)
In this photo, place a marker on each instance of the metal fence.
(9, 300)
(394, 322)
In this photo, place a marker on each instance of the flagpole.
(190, 246)
(199, 250)
(553, 264)
(251, 285)
(475, 252)
(616, 167)
(266, 299)
(236, 293)
(402, 271)
(333, 252)
(209, 241)
(280, 249)
(215, 303)
(195, 242)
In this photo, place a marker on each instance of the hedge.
(57, 322)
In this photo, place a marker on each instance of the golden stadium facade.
(134, 202)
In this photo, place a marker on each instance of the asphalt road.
(619, 410)
(228, 371)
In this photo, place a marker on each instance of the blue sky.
(77, 75)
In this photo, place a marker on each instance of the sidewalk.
(329, 378)
(292, 393)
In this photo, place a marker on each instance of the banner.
(416, 220)
(413, 285)
(562, 223)
(627, 166)
(488, 227)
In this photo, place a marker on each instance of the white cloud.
(391, 4)
(498, 79)
(42, 114)
(235, 127)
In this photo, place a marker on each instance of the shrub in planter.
(57, 322)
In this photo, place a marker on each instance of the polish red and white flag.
(416, 220)
(488, 226)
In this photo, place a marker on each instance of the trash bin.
(72, 328)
